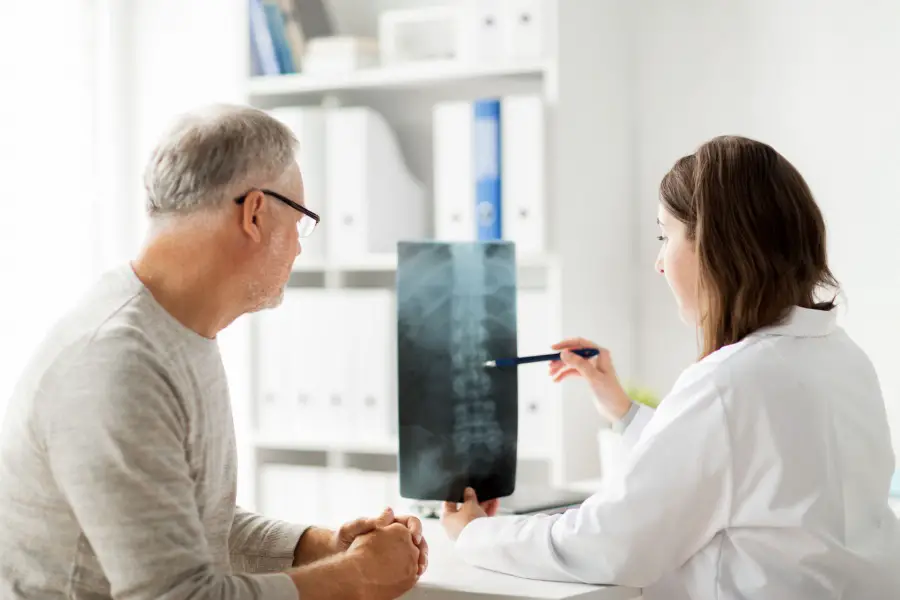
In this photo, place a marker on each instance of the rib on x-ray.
(458, 420)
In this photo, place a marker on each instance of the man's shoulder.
(111, 318)
(111, 325)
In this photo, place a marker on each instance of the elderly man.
(118, 456)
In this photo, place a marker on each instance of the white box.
(419, 34)
(339, 54)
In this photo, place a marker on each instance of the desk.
(449, 578)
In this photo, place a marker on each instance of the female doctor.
(764, 473)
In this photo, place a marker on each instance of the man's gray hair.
(213, 151)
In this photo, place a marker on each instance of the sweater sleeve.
(115, 432)
(262, 545)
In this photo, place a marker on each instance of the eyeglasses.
(307, 223)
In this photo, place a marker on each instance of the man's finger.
(349, 531)
(413, 524)
(469, 496)
(423, 556)
(450, 508)
(385, 518)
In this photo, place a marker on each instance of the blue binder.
(263, 59)
(486, 157)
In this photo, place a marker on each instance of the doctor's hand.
(612, 401)
(456, 517)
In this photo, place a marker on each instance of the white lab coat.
(763, 475)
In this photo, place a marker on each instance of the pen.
(512, 362)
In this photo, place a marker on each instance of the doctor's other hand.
(613, 403)
(455, 517)
(348, 532)
(387, 561)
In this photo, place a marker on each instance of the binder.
(482, 24)
(524, 28)
(454, 191)
(308, 125)
(373, 199)
(264, 60)
(272, 402)
(354, 493)
(537, 392)
(373, 368)
(523, 173)
(295, 494)
(293, 32)
(275, 21)
(304, 332)
(327, 311)
(487, 168)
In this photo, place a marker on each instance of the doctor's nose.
(659, 265)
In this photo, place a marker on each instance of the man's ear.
(251, 215)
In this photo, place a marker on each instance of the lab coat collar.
(803, 322)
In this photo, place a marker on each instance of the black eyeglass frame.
(288, 201)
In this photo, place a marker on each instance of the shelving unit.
(583, 83)
(415, 76)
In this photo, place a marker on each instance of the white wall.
(186, 54)
(47, 170)
(820, 81)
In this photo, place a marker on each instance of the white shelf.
(376, 447)
(414, 75)
(384, 263)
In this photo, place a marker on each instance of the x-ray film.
(458, 420)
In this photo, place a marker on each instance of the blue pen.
(512, 362)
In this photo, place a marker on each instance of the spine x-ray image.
(458, 420)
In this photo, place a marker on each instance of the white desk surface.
(449, 578)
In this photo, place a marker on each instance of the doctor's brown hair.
(758, 233)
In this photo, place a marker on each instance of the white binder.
(482, 25)
(354, 493)
(525, 28)
(329, 364)
(454, 180)
(523, 173)
(293, 493)
(272, 382)
(537, 392)
(373, 199)
(308, 125)
(304, 333)
(373, 376)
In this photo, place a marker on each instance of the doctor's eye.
(661, 238)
